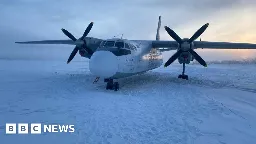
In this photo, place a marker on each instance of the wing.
(69, 42)
(223, 45)
(165, 45)
(172, 45)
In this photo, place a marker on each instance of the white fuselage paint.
(143, 59)
(137, 62)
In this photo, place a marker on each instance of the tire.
(116, 86)
(109, 86)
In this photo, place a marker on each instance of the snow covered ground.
(217, 105)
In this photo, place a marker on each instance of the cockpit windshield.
(109, 44)
(117, 47)
(119, 44)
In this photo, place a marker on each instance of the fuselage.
(118, 58)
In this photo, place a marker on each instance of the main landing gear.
(111, 85)
(183, 76)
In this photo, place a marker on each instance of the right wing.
(69, 42)
(223, 45)
(165, 45)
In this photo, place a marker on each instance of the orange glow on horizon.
(235, 53)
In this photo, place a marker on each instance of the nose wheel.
(112, 85)
(183, 76)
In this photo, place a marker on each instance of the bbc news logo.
(37, 128)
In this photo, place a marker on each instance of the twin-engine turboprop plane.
(118, 58)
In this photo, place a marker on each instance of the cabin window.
(109, 44)
(119, 44)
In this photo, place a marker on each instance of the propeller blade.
(198, 33)
(197, 57)
(173, 58)
(73, 53)
(68, 34)
(88, 29)
(173, 35)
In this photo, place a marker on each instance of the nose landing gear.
(111, 85)
(183, 76)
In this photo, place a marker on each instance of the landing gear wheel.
(116, 86)
(110, 85)
(183, 77)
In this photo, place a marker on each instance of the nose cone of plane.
(103, 64)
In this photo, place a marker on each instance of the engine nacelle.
(185, 57)
(185, 46)
(84, 53)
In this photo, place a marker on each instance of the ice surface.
(216, 105)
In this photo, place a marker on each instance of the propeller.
(189, 41)
(173, 58)
(198, 33)
(80, 43)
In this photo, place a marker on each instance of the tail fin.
(158, 28)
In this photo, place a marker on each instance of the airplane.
(117, 58)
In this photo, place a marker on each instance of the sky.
(23, 20)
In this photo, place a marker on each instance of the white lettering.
(47, 128)
(71, 128)
(54, 128)
(63, 128)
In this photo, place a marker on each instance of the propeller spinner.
(189, 41)
(80, 43)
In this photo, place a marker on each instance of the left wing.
(69, 42)
(223, 45)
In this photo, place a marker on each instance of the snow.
(216, 105)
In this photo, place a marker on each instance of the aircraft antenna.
(118, 36)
